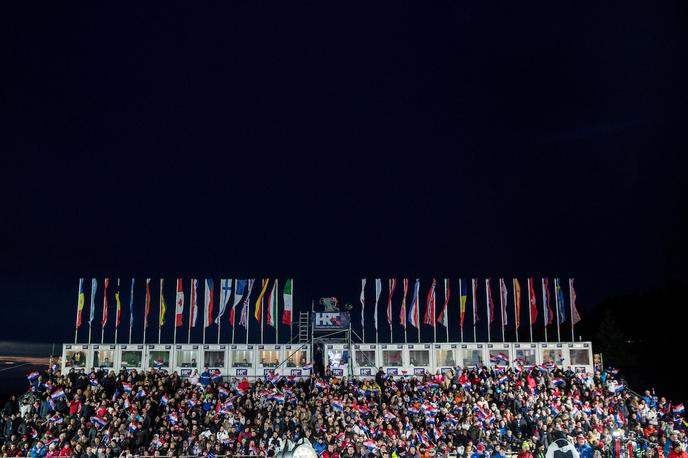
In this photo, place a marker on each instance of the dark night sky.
(334, 141)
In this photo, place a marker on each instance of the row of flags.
(409, 313)
(239, 289)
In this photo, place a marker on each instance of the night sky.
(330, 142)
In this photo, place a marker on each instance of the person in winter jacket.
(677, 451)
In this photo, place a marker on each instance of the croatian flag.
(337, 405)
(389, 416)
(172, 418)
(100, 422)
(133, 426)
(370, 445)
(191, 403)
(308, 366)
(140, 394)
(223, 392)
(503, 379)
(412, 410)
(239, 391)
(617, 388)
(321, 385)
(216, 375)
(57, 394)
(33, 375)
(163, 400)
(126, 387)
(678, 409)
(558, 381)
(56, 419)
(93, 382)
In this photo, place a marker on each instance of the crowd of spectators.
(474, 413)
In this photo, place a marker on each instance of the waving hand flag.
(414, 311)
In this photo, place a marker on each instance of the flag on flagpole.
(532, 298)
(560, 300)
(92, 311)
(243, 319)
(474, 284)
(443, 318)
(575, 316)
(378, 290)
(131, 304)
(392, 286)
(225, 293)
(163, 305)
(288, 298)
(273, 304)
(259, 301)
(414, 311)
(209, 302)
(105, 302)
(148, 303)
(238, 295)
(179, 307)
(490, 308)
(517, 299)
(193, 301)
(119, 306)
(546, 307)
(363, 284)
(429, 317)
(503, 294)
(402, 312)
(463, 299)
(80, 302)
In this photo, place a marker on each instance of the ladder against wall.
(303, 327)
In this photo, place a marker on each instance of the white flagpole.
(460, 326)
(248, 312)
(489, 315)
(78, 298)
(446, 310)
(205, 308)
(291, 319)
(160, 312)
(434, 318)
(573, 335)
(131, 303)
(115, 335)
(277, 317)
(188, 335)
(363, 283)
(475, 337)
(544, 306)
(501, 305)
(516, 317)
(262, 310)
(234, 286)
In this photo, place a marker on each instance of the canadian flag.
(179, 308)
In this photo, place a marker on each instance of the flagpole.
(205, 309)
(248, 313)
(446, 310)
(219, 327)
(191, 291)
(556, 301)
(78, 299)
(115, 335)
(233, 311)
(530, 309)
(489, 315)
(262, 311)
(501, 303)
(516, 317)
(291, 319)
(131, 304)
(160, 313)
(544, 306)
(573, 335)
(460, 312)
(434, 318)
(277, 317)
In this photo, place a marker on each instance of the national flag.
(81, 299)
(321, 385)
(33, 375)
(463, 298)
(678, 409)
(558, 381)
(106, 438)
(337, 405)
(56, 419)
(490, 305)
(259, 302)
(225, 293)
(402, 311)
(389, 416)
(92, 311)
(222, 392)
(503, 298)
(308, 366)
(616, 388)
(546, 307)
(371, 445)
(34, 433)
(93, 382)
(362, 299)
(288, 298)
(100, 422)
(104, 319)
(414, 311)
(164, 400)
(119, 306)
(209, 302)
(517, 301)
(172, 418)
(240, 289)
(141, 394)
(179, 307)
(443, 319)
(273, 304)
(554, 409)
(474, 287)
(559, 299)
(57, 394)
(131, 304)
(148, 302)
(193, 302)
(126, 387)
(378, 290)
(503, 379)
(532, 298)
(243, 320)
(575, 316)
(392, 286)
(163, 304)
(190, 403)
(429, 317)
(216, 375)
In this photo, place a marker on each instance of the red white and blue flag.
(474, 288)
(429, 317)
(443, 319)
(503, 298)
(392, 286)
(414, 311)
(490, 302)
(402, 312)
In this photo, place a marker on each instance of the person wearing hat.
(584, 450)
(525, 450)
(677, 451)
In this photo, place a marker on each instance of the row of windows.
(185, 358)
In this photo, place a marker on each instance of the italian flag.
(272, 305)
(288, 301)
